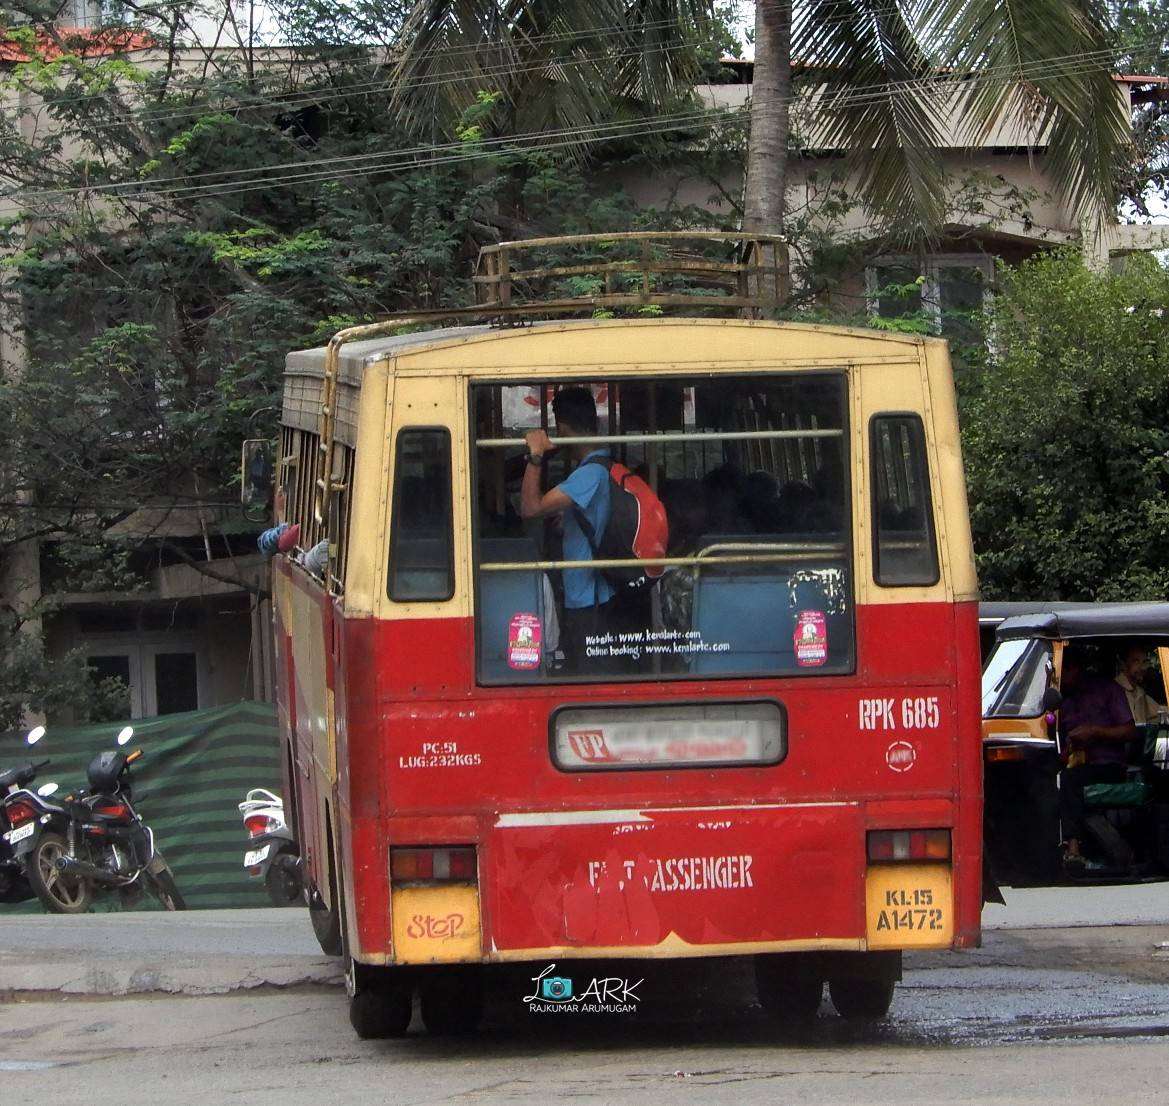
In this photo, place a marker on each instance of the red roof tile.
(77, 40)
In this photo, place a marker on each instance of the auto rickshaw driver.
(1132, 665)
(1096, 725)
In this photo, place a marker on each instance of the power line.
(312, 97)
(307, 172)
(634, 128)
(604, 31)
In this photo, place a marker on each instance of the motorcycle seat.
(79, 812)
(18, 776)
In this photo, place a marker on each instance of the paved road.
(295, 1050)
(1043, 1014)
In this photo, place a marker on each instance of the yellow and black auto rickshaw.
(1026, 751)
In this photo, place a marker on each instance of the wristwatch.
(536, 459)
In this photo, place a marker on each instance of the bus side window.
(904, 546)
(421, 531)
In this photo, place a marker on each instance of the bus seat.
(502, 595)
(752, 609)
(1131, 793)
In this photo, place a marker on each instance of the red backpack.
(637, 525)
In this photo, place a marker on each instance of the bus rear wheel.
(451, 1000)
(380, 1002)
(789, 989)
(861, 1000)
(326, 922)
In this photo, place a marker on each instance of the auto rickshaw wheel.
(861, 1000)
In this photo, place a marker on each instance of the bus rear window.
(905, 552)
(675, 528)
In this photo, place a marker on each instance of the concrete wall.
(221, 631)
(1015, 127)
(1002, 183)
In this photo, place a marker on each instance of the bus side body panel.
(968, 838)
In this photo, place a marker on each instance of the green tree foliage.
(182, 220)
(893, 80)
(1066, 434)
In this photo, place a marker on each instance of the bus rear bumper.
(676, 883)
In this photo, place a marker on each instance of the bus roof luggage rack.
(704, 269)
(723, 270)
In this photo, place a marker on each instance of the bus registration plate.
(909, 906)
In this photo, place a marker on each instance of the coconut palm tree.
(891, 77)
(884, 79)
(555, 64)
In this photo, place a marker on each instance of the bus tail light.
(433, 865)
(931, 844)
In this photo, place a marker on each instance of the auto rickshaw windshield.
(1015, 678)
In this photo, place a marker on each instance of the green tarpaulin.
(195, 769)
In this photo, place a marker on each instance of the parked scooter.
(273, 856)
(14, 885)
(78, 847)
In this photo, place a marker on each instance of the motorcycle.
(273, 856)
(14, 885)
(78, 847)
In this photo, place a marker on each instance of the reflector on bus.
(669, 735)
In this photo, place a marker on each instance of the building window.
(951, 291)
(894, 289)
(162, 675)
(83, 13)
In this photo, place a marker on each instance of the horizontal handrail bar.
(636, 236)
(797, 553)
(632, 299)
(658, 439)
(681, 265)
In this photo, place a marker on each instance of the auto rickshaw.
(1024, 752)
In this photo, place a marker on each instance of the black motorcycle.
(78, 847)
(14, 884)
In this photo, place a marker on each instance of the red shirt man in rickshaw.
(1095, 720)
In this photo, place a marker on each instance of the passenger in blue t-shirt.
(588, 596)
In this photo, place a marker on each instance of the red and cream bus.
(768, 748)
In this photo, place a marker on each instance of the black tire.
(14, 887)
(327, 923)
(1116, 848)
(861, 1000)
(283, 881)
(788, 991)
(162, 884)
(451, 1001)
(380, 1003)
(59, 894)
